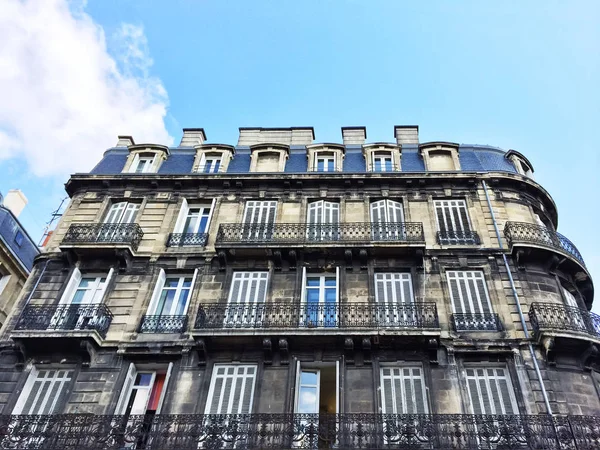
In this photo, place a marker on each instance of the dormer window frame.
(372, 152)
(521, 163)
(430, 149)
(282, 150)
(155, 154)
(325, 152)
(212, 152)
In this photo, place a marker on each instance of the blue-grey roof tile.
(178, 163)
(411, 160)
(354, 161)
(9, 227)
(241, 161)
(112, 163)
(469, 161)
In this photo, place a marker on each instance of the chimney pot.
(15, 201)
(192, 137)
(354, 135)
(125, 141)
(406, 134)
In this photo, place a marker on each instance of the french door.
(323, 221)
(259, 217)
(245, 305)
(387, 217)
(119, 213)
(393, 295)
(320, 299)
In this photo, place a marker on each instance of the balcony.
(163, 324)
(312, 316)
(74, 318)
(458, 238)
(187, 239)
(239, 235)
(476, 322)
(292, 431)
(561, 319)
(127, 235)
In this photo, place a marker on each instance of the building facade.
(282, 293)
(17, 251)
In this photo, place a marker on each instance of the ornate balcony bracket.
(268, 350)
(284, 351)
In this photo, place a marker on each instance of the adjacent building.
(285, 293)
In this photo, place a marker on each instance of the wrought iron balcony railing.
(476, 322)
(551, 316)
(316, 234)
(529, 233)
(458, 238)
(65, 318)
(293, 431)
(163, 324)
(314, 315)
(105, 233)
(191, 239)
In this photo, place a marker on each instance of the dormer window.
(382, 157)
(325, 157)
(145, 158)
(212, 158)
(521, 163)
(142, 164)
(268, 157)
(440, 156)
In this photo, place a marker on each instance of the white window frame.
(259, 215)
(317, 367)
(149, 163)
(323, 212)
(184, 214)
(240, 374)
(390, 223)
(129, 386)
(447, 207)
(44, 392)
(242, 305)
(205, 158)
(381, 156)
(473, 303)
(328, 157)
(125, 212)
(160, 286)
(324, 318)
(488, 380)
(397, 373)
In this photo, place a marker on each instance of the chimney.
(125, 141)
(192, 137)
(354, 135)
(15, 201)
(406, 134)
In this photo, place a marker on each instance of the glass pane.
(165, 303)
(308, 400)
(78, 297)
(203, 222)
(330, 296)
(143, 379)
(330, 165)
(171, 282)
(181, 303)
(312, 296)
(321, 165)
(313, 281)
(330, 281)
(187, 282)
(308, 378)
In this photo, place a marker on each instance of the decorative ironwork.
(383, 168)
(525, 233)
(181, 239)
(68, 317)
(105, 233)
(317, 315)
(476, 322)
(313, 234)
(458, 238)
(292, 431)
(163, 324)
(551, 316)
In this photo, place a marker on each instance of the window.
(19, 238)
(45, 392)
(143, 391)
(142, 163)
(382, 162)
(247, 294)
(210, 163)
(323, 221)
(317, 386)
(231, 389)
(4, 279)
(491, 391)
(453, 223)
(403, 390)
(171, 295)
(258, 219)
(324, 162)
(575, 316)
(470, 301)
(320, 299)
(394, 298)
(387, 218)
(192, 224)
(122, 213)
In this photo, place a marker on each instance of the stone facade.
(352, 337)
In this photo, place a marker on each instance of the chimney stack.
(192, 137)
(125, 141)
(15, 201)
(406, 134)
(354, 135)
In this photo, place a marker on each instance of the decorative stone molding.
(158, 153)
(278, 152)
(334, 150)
(210, 152)
(440, 156)
(520, 162)
(371, 151)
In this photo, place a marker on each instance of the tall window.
(142, 163)
(122, 212)
(143, 391)
(247, 294)
(320, 299)
(403, 390)
(4, 279)
(258, 219)
(392, 292)
(387, 218)
(491, 391)
(45, 392)
(171, 295)
(324, 162)
(323, 220)
(231, 389)
(453, 223)
(192, 224)
(470, 301)
(210, 163)
(382, 162)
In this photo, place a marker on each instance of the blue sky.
(522, 76)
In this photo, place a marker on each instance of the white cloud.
(63, 97)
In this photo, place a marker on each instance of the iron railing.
(65, 318)
(181, 239)
(316, 234)
(305, 431)
(383, 168)
(105, 233)
(476, 322)
(317, 315)
(163, 324)
(529, 233)
(552, 316)
(458, 238)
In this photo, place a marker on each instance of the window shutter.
(490, 391)
(163, 393)
(261, 295)
(45, 392)
(190, 292)
(387, 394)
(455, 295)
(160, 283)
(115, 212)
(99, 297)
(441, 216)
(72, 285)
(235, 289)
(376, 211)
(335, 213)
(232, 390)
(181, 218)
(247, 390)
(130, 213)
(272, 209)
(126, 389)
(419, 390)
(407, 292)
(484, 303)
(394, 211)
(134, 163)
